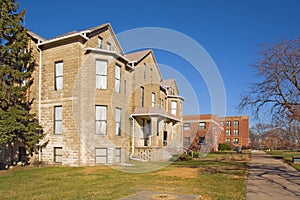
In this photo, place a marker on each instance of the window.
(236, 132)
(153, 99)
(222, 123)
(100, 120)
(117, 78)
(228, 124)
(101, 155)
(58, 120)
(101, 74)
(145, 71)
(173, 107)
(186, 141)
(236, 123)
(108, 46)
(186, 126)
(142, 96)
(228, 140)
(118, 121)
(99, 42)
(235, 140)
(227, 132)
(57, 154)
(59, 69)
(118, 155)
(202, 125)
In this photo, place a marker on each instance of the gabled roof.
(137, 56)
(36, 36)
(168, 83)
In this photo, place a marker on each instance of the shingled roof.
(137, 56)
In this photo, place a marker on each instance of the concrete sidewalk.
(270, 178)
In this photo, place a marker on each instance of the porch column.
(154, 131)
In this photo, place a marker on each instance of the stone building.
(200, 131)
(98, 105)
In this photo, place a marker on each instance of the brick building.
(208, 129)
(98, 105)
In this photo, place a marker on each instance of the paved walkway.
(270, 178)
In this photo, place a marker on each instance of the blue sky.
(230, 31)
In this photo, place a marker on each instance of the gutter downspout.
(40, 97)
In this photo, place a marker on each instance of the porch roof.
(152, 112)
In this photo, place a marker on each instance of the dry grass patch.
(181, 172)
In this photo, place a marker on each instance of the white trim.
(82, 34)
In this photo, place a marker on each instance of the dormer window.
(99, 42)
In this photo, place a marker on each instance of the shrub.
(224, 147)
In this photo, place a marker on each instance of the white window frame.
(118, 118)
(235, 132)
(174, 107)
(59, 72)
(100, 120)
(153, 99)
(58, 120)
(101, 74)
(117, 78)
(101, 155)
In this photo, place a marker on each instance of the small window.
(99, 42)
(228, 132)
(186, 126)
(101, 155)
(236, 132)
(101, 74)
(117, 78)
(235, 140)
(228, 124)
(118, 121)
(142, 96)
(57, 154)
(145, 71)
(59, 75)
(174, 107)
(236, 123)
(58, 120)
(108, 46)
(153, 99)
(202, 125)
(118, 155)
(100, 120)
(228, 140)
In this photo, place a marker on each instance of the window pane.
(173, 107)
(118, 72)
(117, 85)
(100, 112)
(58, 127)
(58, 113)
(100, 127)
(59, 69)
(118, 155)
(101, 67)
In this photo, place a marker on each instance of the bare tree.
(277, 89)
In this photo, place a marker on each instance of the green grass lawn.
(212, 177)
(286, 156)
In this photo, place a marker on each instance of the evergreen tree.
(17, 124)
